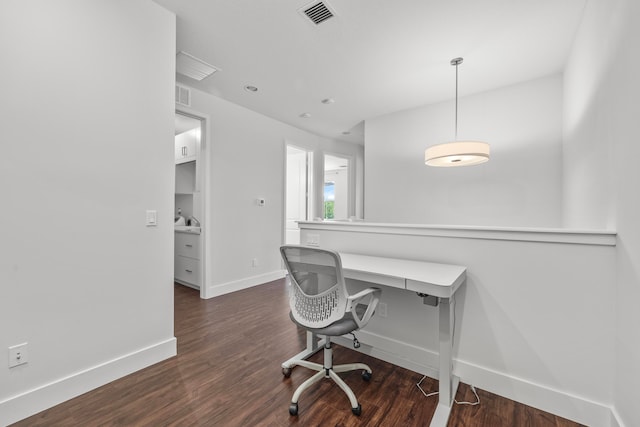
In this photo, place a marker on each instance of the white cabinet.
(187, 271)
(187, 259)
(186, 148)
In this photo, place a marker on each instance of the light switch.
(152, 218)
(261, 201)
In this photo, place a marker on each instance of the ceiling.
(373, 57)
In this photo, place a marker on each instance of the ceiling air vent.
(190, 66)
(317, 12)
(183, 96)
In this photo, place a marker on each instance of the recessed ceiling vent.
(317, 12)
(190, 66)
(183, 96)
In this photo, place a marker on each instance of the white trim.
(396, 352)
(547, 235)
(309, 185)
(31, 402)
(248, 282)
(564, 404)
(423, 361)
(616, 421)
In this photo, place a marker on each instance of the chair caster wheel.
(357, 411)
(366, 375)
(293, 409)
(286, 372)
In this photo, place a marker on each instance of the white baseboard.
(615, 419)
(423, 361)
(558, 402)
(48, 395)
(238, 285)
(396, 352)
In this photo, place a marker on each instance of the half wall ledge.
(547, 235)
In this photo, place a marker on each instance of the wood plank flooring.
(227, 373)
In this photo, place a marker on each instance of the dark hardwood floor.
(227, 373)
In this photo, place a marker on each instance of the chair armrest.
(352, 301)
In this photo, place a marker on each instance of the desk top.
(440, 280)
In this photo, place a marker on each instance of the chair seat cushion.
(340, 327)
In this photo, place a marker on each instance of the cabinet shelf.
(185, 178)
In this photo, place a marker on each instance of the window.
(329, 200)
(336, 187)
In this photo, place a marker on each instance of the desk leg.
(448, 383)
(313, 346)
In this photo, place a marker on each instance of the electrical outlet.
(18, 355)
(313, 240)
(382, 309)
(254, 262)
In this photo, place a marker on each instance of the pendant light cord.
(456, 132)
(456, 62)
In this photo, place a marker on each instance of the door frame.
(310, 190)
(203, 177)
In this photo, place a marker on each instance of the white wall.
(601, 169)
(87, 126)
(520, 186)
(184, 202)
(534, 321)
(246, 156)
(589, 193)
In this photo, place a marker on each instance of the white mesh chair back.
(318, 294)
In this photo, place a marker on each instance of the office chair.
(320, 303)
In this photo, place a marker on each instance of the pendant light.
(457, 153)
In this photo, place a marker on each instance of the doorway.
(337, 200)
(189, 201)
(297, 191)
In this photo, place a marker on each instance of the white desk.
(439, 280)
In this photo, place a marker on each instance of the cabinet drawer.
(187, 270)
(187, 245)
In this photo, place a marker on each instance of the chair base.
(328, 371)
